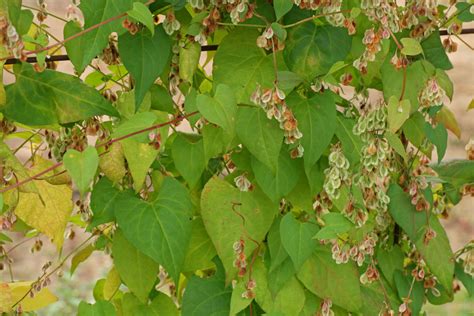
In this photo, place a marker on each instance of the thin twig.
(48, 13)
(311, 18)
(70, 38)
(242, 25)
(59, 164)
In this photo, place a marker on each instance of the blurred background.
(71, 289)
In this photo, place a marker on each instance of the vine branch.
(70, 38)
(59, 164)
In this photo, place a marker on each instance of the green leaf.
(445, 83)
(290, 299)
(398, 113)
(277, 252)
(161, 228)
(446, 116)
(162, 304)
(100, 308)
(414, 130)
(396, 144)
(389, 261)
(311, 50)
(189, 158)
(139, 157)
(135, 123)
(201, 250)
(220, 109)
(403, 284)
(417, 74)
(411, 47)
(142, 14)
(351, 144)
(145, 57)
(297, 239)
(161, 99)
(104, 200)
(82, 167)
(189, 60)
(207, 296)
(301, 197)
(278, 29)
(435, 52)
(456, 172)
(335, 223)
(375, 294)
(316, 121)
(438, 136)
(464, 12)
(466, 278)
(222, 209)
(136, 270)
(261, 136)
(279, 184)
(279, 276)
(288, 80)
(338, 282)
(247, 64)
(51, 97)
(237, 301)
(91, 44)
(437, 254)
(215, 141)
(126, 104)
(282, 7)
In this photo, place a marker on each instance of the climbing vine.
(234, 157)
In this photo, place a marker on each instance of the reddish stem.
(59, 164)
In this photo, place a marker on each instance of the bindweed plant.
(228, 156)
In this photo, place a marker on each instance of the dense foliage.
(296, 170)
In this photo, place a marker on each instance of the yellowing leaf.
(57, 176)
(3, 97)
(49, 211)
(411, 47)
(11, 162)
(139, 157)
(471, 105)
(10, 293)
(80, 257)
(112, 163)
(112, 283)
(6, 300)
(446, 116)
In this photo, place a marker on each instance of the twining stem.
(242, 25)
(404, 83)
(59, 164)
(49, 13)
(63, 261)
(70, 38)
(317, 16)
(464, 42)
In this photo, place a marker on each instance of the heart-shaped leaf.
(82, 167)
(297, 239)
(398, 113)
(161, 228)
(230, 215)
